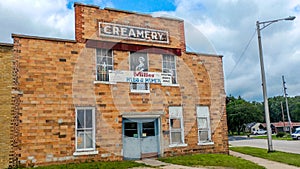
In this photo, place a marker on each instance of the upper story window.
(169, 66)
(139, 63)
(104, 58)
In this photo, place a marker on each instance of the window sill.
(104, 82)
(205, 143)
(140, 91)
(178, 145)
(172, 85)
(80, 153)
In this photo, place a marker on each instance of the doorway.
(140, 138)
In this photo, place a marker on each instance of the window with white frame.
(169, 66)
(104, 59)
(85, 128)
(203, 121)
(176, 126)
(139, 63)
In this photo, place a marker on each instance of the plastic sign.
(133, 33)
(139, 77)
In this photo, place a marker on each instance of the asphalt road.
(279, 145)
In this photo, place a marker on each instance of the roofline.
(170, 18)
(205, 54)
(42, 38)
(128, 12)
(125, 11)
(7, 44)
(81, 4)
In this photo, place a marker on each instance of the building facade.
(125, 88)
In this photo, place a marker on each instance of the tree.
(241, 112)
(275, 108)
(276, 112)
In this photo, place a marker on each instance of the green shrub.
(280, 134)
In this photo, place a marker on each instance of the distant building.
(125, 88)
(254, 126)
(284, 127)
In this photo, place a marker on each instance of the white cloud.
(49, 18)
(229, 25)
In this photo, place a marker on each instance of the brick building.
(125, 88)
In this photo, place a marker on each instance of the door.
(140, 138)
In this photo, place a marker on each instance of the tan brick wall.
(55, 76)
(5, 103)
(214, 67)
(53, 88)
(46, 110)
(206, 75)
(88, 17)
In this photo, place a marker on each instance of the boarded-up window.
(176, 126)
(203, 121)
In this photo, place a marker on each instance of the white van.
(296, 134)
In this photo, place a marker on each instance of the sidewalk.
(266, 163)
(262, 162)
(162, 165)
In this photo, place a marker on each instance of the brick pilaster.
(78, 22)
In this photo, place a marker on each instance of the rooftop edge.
(42, 38)
(204, 54)
(126, 11)
(6, 44)
(87, 5)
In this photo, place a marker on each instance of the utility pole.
(287, 105)
(282, 112)
(263, 74)
(264, 88)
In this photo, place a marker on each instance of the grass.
(195, 160)
(222, 160)
(96, 165)
(287, 158)
(273, 137)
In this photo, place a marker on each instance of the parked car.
(296, 134)
(259, 132)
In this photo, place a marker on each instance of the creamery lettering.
(133, 33)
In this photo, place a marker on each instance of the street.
(279, 145)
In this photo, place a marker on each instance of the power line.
(242, 54)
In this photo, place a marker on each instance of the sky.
(223, 27)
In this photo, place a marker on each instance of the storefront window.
(104, 64)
